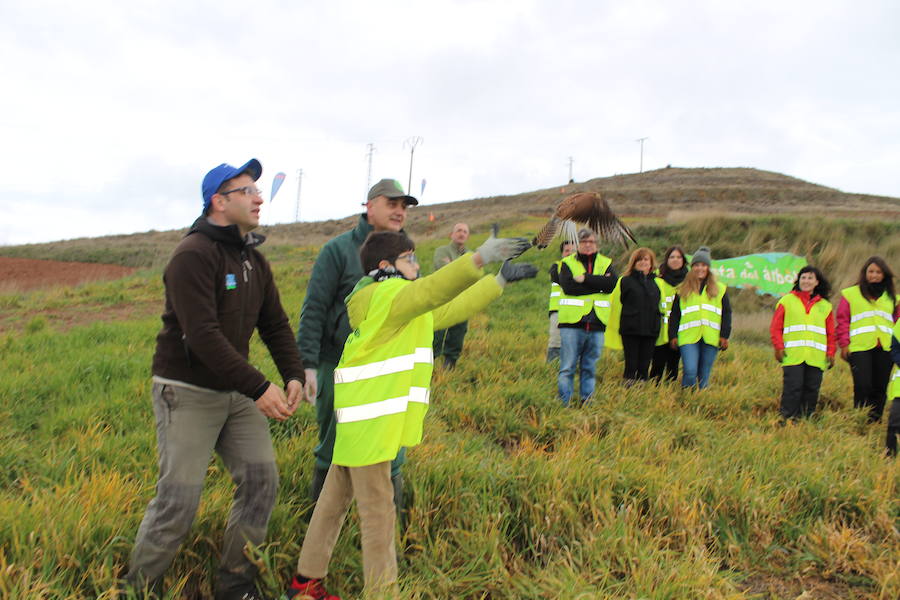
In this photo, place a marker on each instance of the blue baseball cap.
(215, 178)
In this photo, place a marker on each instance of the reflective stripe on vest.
(812, 328)
(390, 406)
(396, 364)
(871, 322)
(573, 308)
(571, 302)
(684, 326)
(806, 343)
(707, 323)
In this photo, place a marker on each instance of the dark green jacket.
(324, 326)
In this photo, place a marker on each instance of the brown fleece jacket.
(219, 288)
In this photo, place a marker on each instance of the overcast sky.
(112, 111)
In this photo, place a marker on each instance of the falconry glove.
(496, 249)
(510, 272)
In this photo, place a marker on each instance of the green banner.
(770, 273)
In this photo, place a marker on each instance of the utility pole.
(412, 142)
(571, 161)
(371, 148)
(641, 140)
(299, 184)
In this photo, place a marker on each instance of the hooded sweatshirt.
(219, 288)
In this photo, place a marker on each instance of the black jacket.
(219, 288)
(640, 305)
(592, 284)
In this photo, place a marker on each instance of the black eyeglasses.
(247, 189)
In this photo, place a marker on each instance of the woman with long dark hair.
(865, 321)
(672, 271)
(802, 333)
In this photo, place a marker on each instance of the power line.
(412, 142)
(641, 140)
(299, 183)
(371, 148)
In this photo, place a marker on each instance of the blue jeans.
(577, 347)
(697, 361)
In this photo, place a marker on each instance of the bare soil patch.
(23, 274)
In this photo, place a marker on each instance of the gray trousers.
(191, 422)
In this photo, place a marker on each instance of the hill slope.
(645, 196)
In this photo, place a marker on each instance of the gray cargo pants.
(191, 422)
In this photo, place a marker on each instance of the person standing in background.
(893, 425)
(865, 320)
(802, 333)
(553, 340)
(672, 272)
(700, 321)
(587, 279)
(449, 342)
(640, 314)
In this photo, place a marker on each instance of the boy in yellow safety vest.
(382, 391)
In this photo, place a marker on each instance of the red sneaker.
(310, 590)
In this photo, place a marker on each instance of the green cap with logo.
(392, 189)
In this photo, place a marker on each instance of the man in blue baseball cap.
(206, 394)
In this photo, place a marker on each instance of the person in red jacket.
(803, 356)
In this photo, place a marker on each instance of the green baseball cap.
(392, 189)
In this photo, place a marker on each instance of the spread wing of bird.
(584, 209)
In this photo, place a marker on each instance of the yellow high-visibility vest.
(701, 317)
(382, 387)
(666, 299)
(870, 322)
(555, 291)
(805, 339)
(573, 308)
(894, 385)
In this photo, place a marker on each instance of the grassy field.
(649, 492)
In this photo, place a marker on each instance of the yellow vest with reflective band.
(870, 322)
(573, 308)
(612, 338)
(381, 386)
(894, 385)
(666, 299)
(701, 317)
(805, 339)
(555, 291)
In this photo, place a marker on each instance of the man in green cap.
(324, 325)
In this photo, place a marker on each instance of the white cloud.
(108, 101)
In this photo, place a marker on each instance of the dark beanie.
(701, 256)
